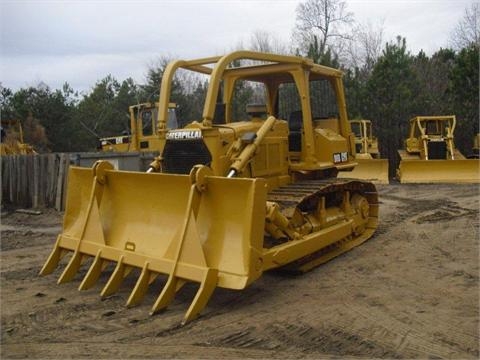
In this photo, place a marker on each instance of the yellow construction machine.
(370, 166)
(143, 130)
(475, 148)
(12, 139)
(430, 155)
(232, 194)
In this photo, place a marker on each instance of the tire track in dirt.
(412, 335)
(302, 338)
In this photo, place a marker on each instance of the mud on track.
(412, 291)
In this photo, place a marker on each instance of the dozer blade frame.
(439, 171)
(189, 228)
(374, 170)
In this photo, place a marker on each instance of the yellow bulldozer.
(475, 148)
(12, 139)
(143, 131)
(370, 166)
(430, 155)
(135, 148)
(240, 191)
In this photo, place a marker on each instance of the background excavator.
(370, 166)
(430, 155)
(227, 198)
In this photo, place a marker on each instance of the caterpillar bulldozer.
(134, 149)
(231, 195)
(142, 136)
(370, 166)
(430, 155)
(12, 139)
(475, 148)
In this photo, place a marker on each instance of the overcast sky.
(80, 42)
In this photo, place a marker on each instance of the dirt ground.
(411, 291)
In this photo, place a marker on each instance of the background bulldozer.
(232, 194)
(370, 166)
(143, 130)
(134, 149)
(430, 155)
(475, 148)
(12, 139)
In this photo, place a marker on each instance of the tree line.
(384, 82)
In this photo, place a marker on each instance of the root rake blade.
(136, 232)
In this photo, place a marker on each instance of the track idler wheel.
(362, 213)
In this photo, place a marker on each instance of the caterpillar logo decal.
(184, 135)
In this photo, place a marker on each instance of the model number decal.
(184, 135)
(340, 157)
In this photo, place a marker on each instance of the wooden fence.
(32, 181)
(35, 181)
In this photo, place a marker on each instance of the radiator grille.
(181, 155)
(437, 150)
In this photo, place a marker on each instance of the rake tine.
(72, 268)
(166, 296)
(121, 270)
(93, 273)
(202, 296)
(141, 287)
(180, 283)
(53, 260)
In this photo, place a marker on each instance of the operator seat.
(295, 122)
